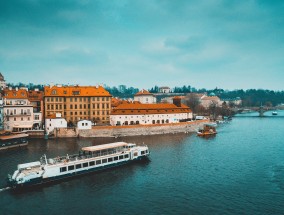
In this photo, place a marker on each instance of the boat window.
(104, 160)
(110, 159)
(92, 163)
(126, 156)
(70, 168)
(142, 152)
(63, 169)
(147, 151)
(85, 164)
(120, 157)
(78, 166)
(98, 162)
(115, 158)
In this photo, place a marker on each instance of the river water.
(240, 171)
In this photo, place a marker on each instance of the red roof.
(138, 109)
(76, 91)
(143, 93)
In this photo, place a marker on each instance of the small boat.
(90, 159)
(207, 130)
(12, 140)
(274, 113)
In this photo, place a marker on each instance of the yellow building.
(78, 102)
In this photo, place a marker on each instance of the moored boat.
(207, 130)
(274, 113)
(90, 159)
(11, 140)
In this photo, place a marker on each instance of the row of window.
(94, 163)
(137, 122)
(81, 99)
(15, 119)
(81, 106)
(14, 111)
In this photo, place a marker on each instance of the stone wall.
(136, 130)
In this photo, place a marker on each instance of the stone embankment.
(131, 130)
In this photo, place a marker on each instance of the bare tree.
(193, 101)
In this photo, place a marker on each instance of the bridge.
(261, 110)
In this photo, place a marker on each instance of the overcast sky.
(229, 44)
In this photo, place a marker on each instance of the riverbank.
(131, 130)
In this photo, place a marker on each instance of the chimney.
(177, 101)
(17, 88)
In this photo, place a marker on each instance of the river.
(240, 171)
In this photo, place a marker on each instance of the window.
(98, 162)
(143, 152)
(63, 169)
(71, 106)
(85, 164)
(120, 157)
(104, 160)
(126, 156)
(92, 163)
(53, 92)
(78, 166)
(115, 158)
(110, 159)
(70, 168)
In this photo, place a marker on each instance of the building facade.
(145, 97)
(164, 90)
(1, 113)
(36, 100)
(18, 112)
(78, 102)
(134, 113)
(54, 121)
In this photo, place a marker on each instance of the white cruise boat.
(92, 158)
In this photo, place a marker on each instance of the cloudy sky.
(229, 44)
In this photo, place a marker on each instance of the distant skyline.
(227, 44)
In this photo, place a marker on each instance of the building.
(212, 99)
(164, 90)
(2, 82)
(78, 102)
(145, 97)
(18, 111)
(131, 113)
(235, 101)
(84, 124)
(36, 99)
(54, 121)
(1, 113)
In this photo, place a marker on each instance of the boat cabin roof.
(13, 136)
(104, 146)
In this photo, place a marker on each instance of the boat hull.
(44, 181)
(3, 147)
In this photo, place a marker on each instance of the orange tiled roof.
(143, 93)
(139, 109)
(35, 95)
(76, 91)
(115, 102)
(15, 94)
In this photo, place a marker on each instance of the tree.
(192, 100)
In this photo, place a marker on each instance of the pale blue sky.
(229, 44)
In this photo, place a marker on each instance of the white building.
(145, 97)
(84, 124)
(18, 112)
(164, 90)
(54, 121)
(146, 114)
(212, 99)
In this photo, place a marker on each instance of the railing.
(75, 157)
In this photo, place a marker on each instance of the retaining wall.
(131, 130)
